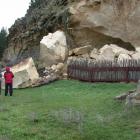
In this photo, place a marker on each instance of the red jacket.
(8, 76)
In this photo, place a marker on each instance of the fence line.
(104, 71)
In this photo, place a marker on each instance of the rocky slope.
(25, 35)
(85, 22)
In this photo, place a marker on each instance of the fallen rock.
(132, 97)
(136, 55)
(45, 80)
(116, 49)
(124, 57)
(94, 53)
(54, 67)
(70, 52)
(123, 96)
(82, 50)
(59, 66)
(65, 76)
(23, 72)
(40, 81)
(108, 54)
(53, 48)
(86, 55)
(138, 49)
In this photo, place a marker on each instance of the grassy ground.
(69, 110)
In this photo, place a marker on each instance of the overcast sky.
(10, 10)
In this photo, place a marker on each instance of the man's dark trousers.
(8, 88)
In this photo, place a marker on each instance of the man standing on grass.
(8, 76)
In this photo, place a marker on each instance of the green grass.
(69, 110)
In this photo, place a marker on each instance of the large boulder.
(107, 54)
(124, 57)
(23, 72)
(115, 48)
(82, 50)
(94, 53)
(110, 52)
(136, 55)
(53, 48)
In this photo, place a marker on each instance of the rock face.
(25, 71)
(53, 48)
(88, 22)
(117, 19)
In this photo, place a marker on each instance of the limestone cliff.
(100, 21)
(86, 22)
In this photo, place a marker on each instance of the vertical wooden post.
(127, 74)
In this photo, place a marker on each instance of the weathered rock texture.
(107, 52)
(53, 49)
(99, 21)
(86, 23)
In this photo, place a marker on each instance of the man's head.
(7, 69)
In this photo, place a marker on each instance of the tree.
(35, 3)
(3, 41)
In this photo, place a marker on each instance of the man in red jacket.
(8, 76)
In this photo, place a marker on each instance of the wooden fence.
(104, 71)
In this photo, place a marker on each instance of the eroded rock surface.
(117, 19)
